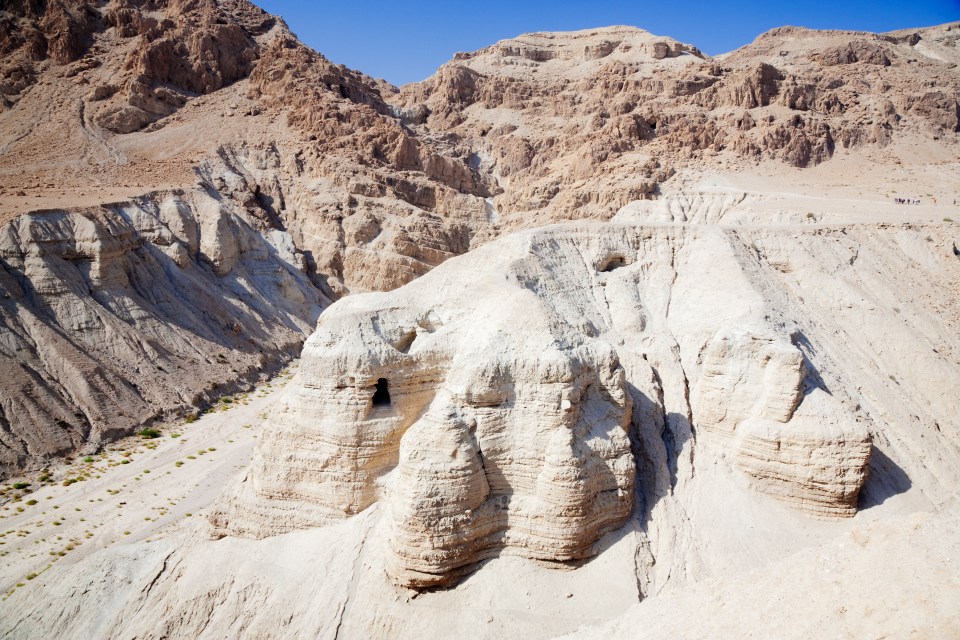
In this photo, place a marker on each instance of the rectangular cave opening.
(381, 396)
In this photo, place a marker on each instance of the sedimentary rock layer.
(485, 406)
(115, 316)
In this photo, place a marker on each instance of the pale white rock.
(493, 438)
(486, 408)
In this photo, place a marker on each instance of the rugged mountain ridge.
(734, 385)
(579, 124)
(360, 186)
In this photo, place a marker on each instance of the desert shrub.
(149, 433)
(21, 485)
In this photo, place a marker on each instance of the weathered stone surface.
(486, 409)
(114, 317)
(508, 433)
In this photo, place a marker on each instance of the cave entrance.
(381, 397)
(612, 262)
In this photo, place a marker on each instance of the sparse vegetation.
(21, 485)
(149, 434)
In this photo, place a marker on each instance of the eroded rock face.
(476, 438)
(495, 405)
(113, 317)
(749, 393)
(578, 124)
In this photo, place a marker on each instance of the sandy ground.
(132, 490)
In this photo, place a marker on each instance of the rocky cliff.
(113, 317)
(590, 419)
(499, 403)
(577, 125)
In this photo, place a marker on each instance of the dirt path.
(131, 490)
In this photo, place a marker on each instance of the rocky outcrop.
(816, 462)
(750, 394)
(684, 308)
(496, 406)
(509, 436)
(196, 48)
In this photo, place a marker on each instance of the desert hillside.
(597, 334)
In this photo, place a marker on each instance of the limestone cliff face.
(113, 317)
(504, 434)
(734, 439)
(498, 405)
(749, 393)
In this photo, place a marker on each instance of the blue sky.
(406, 41)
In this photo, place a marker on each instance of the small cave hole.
(611, 263)
(381, 397)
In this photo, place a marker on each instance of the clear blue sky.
(406, 41)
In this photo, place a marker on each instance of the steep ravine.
(115, 316)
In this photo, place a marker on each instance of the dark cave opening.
(381, 397)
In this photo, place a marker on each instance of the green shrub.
(88, 459)
(21, 485)
(150, 433)
(31, 502)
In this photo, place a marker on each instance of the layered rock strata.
(485, 407)
(577, 125)
(510, 433)
(750, 393)
(117, 316)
